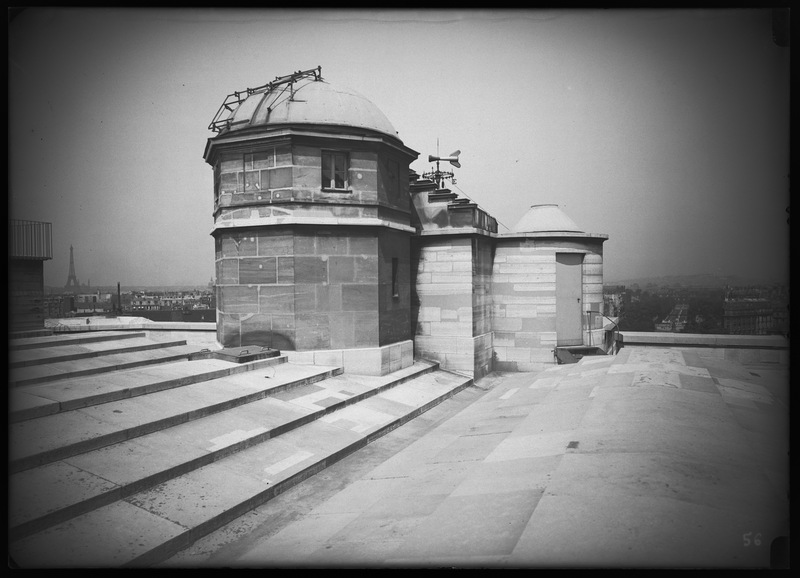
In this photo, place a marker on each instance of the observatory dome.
(546, 219)
(309, 101)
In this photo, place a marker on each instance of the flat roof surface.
(653, 458)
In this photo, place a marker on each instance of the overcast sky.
(666, 130)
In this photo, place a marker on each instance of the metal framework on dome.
(233, 100)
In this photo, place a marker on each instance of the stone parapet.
(746, 349)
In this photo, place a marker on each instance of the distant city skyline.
(665, 129)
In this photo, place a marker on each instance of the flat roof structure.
(125, 452)
(654, 458)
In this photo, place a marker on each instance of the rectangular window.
(334, 170)
(230, 176)
(248, 172)
(256, 177)
(395, 292)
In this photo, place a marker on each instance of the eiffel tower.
(72, 280)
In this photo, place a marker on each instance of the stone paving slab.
(450, 529)
(604, 470)
(77, 544)
(584, 532)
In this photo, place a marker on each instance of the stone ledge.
(364, 361)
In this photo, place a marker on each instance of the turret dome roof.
(546, 219)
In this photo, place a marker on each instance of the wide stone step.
(51, 339)
(55, 437)
(38, 400)
(53, 371)
(58, 491)
(76, 351)
(149, 526)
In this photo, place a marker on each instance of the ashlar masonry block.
(452, 328)
(507, 324)
(530, 278)
(312, 331)
(430, 314)
(366, 329)
(310, 269)
(342, 269)
(257, 270)
(228, 271)
(448, 315)
(275, 244)
(359, 297)
(362, 361)
(276, 299)
(426, 344)
(238, 299)
(461, 363)
(342, 328)
(332, 357)
(285, 269)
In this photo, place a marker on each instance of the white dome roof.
(309, 101)
(546, 219)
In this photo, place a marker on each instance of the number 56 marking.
(756, 539)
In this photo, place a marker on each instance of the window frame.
(248, 166)
(332, 155)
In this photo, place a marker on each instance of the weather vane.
(439, 176)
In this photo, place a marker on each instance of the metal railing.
(233, 100)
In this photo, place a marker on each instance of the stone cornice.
(285, 135)
(234, 223)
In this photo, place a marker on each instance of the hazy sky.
(666, 130)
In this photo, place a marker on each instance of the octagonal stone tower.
(311, 221)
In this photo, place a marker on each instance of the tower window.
(334, 170)
(245, 173)
(395, 292)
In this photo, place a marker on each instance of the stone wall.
(524, 308)
(452, 302)
(290, 185)
(298, 288)
(524, 298)
(482, 300)
(394, 286)
(442, 276)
